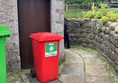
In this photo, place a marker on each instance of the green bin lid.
(4, 31)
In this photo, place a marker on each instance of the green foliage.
(103, 13)
(89, 14)
(109, 14)
(112, 16)
(103, 6)
(99, 14)
(98, 30)
(105, 19)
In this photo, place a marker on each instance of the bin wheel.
(32, 73)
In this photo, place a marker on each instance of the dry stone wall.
(92, 33)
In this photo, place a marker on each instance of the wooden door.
(34, 16)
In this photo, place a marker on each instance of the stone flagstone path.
(72, 70)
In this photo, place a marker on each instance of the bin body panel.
(2, 60)
(46, 68)
(4, 32)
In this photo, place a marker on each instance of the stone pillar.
(8, 15)
(57, 20)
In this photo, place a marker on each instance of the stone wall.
(8, 15)
(92, 33)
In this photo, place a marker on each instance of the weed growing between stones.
(98, 30)
(15, 74)
(61, 63)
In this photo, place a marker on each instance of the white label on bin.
(50, 49)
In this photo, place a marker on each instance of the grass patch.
(73, 14)
(107, 67)
(113, 9)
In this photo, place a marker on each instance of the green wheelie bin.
(4, 32)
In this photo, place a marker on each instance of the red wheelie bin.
(45, 55)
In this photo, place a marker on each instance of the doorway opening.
(33, 16)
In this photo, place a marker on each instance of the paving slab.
(72, 56)
(98, 79)
(76, 69)
(75, 61)
(96, 70)
(67, 78)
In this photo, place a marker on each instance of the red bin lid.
(46, 36)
